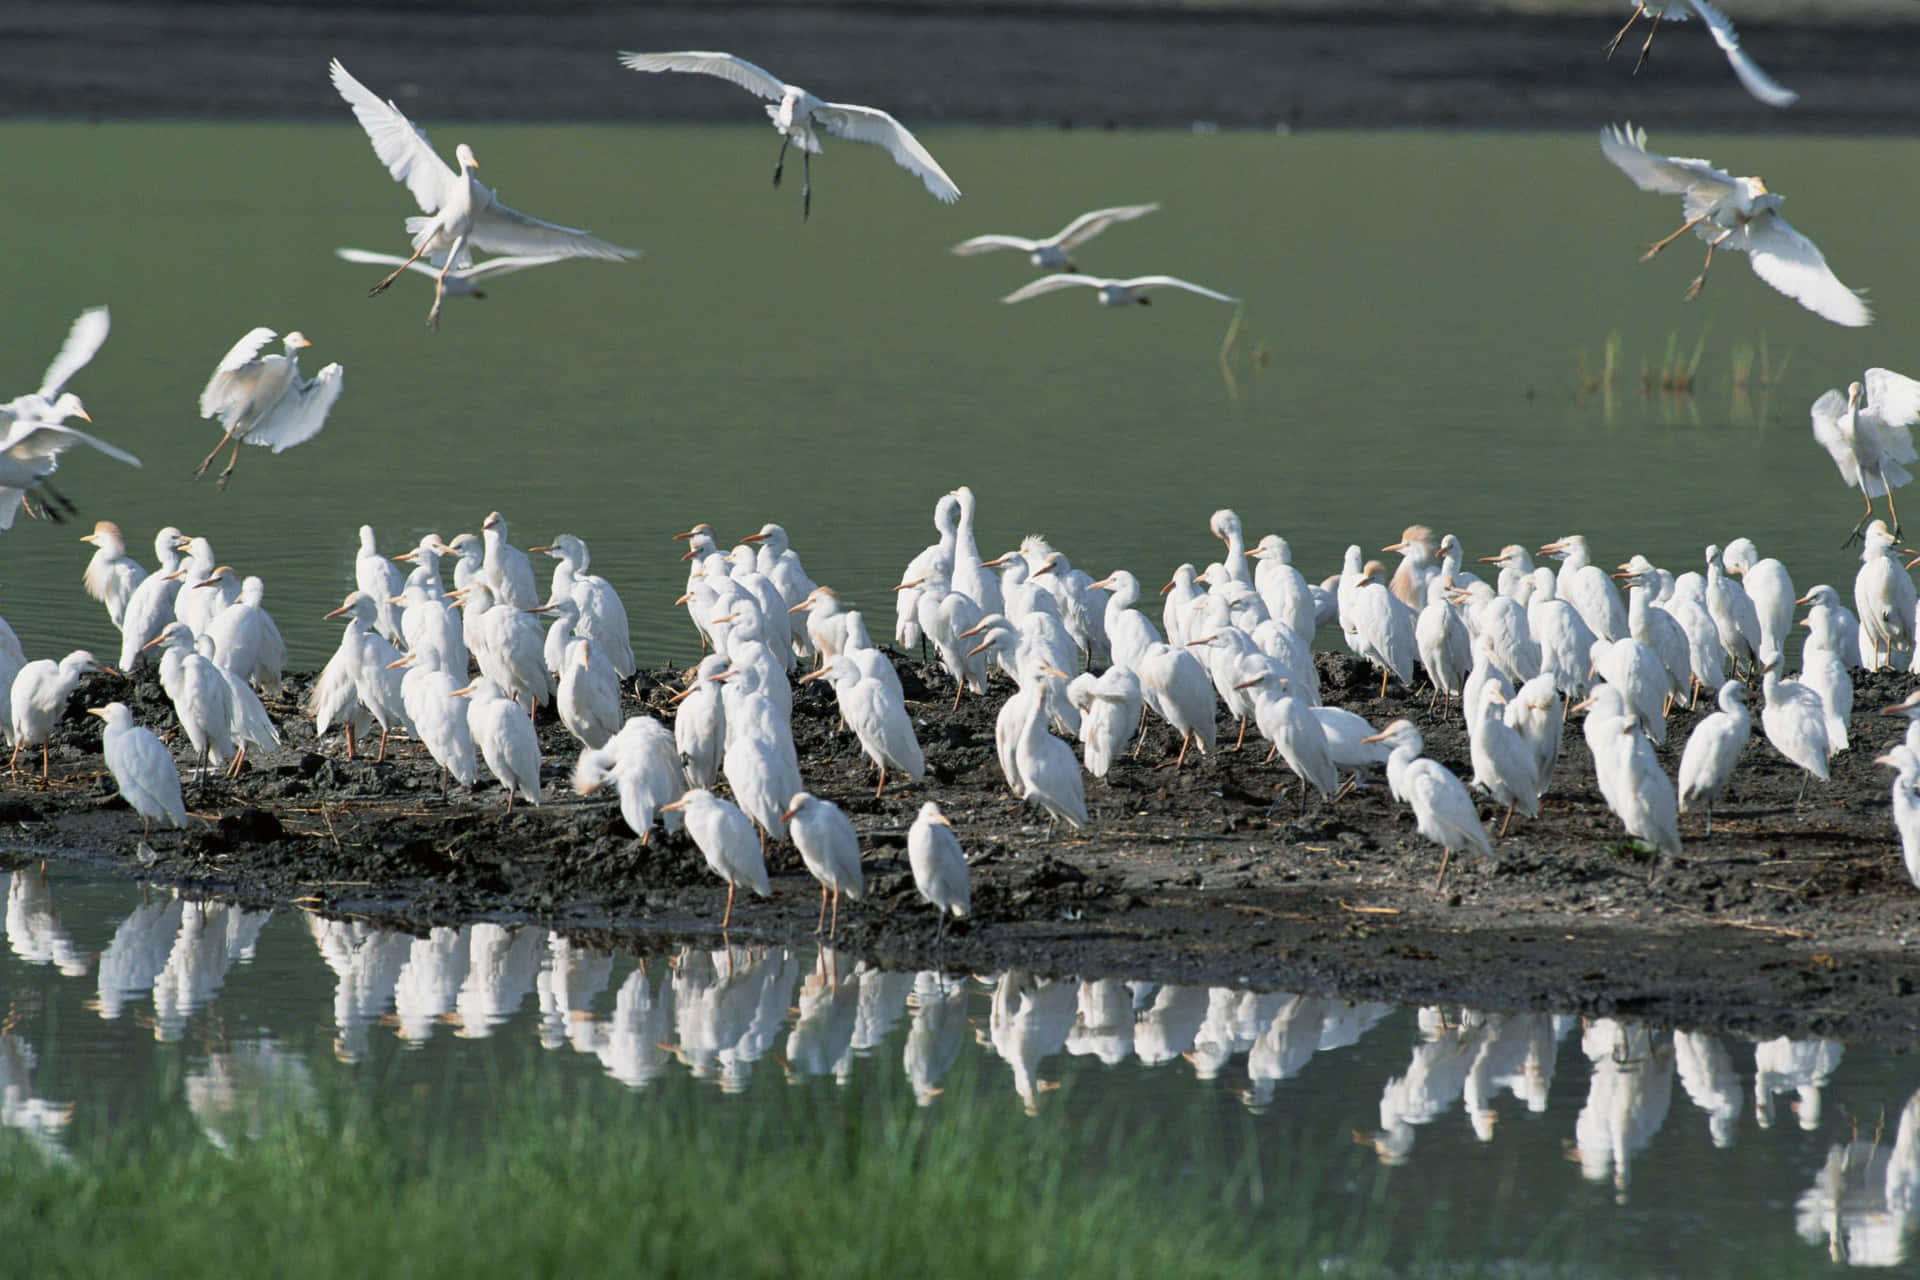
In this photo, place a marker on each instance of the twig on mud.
(1757, 928)
(1371, 911)
(332, 884)
(1247, 908)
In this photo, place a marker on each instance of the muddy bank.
(1787, 921)
(1080, 65)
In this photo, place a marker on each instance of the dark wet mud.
(1789, 920)
(1085, 65)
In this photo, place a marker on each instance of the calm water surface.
(132, 1011)
(1419, 303)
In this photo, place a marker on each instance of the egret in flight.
(1720, 27)
(1113, 293)
(460, 214)
(1868, 435)
(797, 113)
(33, 433)
(264, 400)
(1737, 214)
(1054, 252)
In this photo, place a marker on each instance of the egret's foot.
(1694, 287)
(1859, 531)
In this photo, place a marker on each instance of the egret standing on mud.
(830, 848)
(939, 868)
(726, 840)
(142, 769)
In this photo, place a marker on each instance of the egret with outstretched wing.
(1054, 251)
(461, 282)
(1868, 434)
(264, 400)
(796, 113)
(1113, 293)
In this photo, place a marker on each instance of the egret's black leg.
(781, 163)
(806, 184)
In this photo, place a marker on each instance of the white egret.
(202, 699)
(936, 557)
(1586, 586)
(1109, 716)
(825, 622)
(33, 433)
(603, 616)
(589, 696)
(1383, 628)
(1440, 637)
(1756, 82)
(432, 629)
(1637, 672)
(380, 578)
(725, 839)
(1884, 599)
(507, 644)
(1054, 252)
(111, 575)
(1706, 656)
(1845, 627)
(1516, 565)
(1634, 785)
(38, 699)
(150, 607)
(878, 717)
(1290, 725)
(644, 764)
(1113, 292)
(142, 769)
(1823, 671)
(1443, 811)
(1349, 741)
(1175, 685)
(1906, 804)
(830, 848)
(461, 282)
(506, 738)
(1661, 633)
(252, 727)
(759, 762)
(779, 563)
(370, 663)
(1563, 638)
(263, 399)
(1738, 214)
(1409, 580)
(939, 868)
(796, 114)
(1505, 765)
(335, 698)
(1795, 723)
(1281, 586)
(247, 641)
(1733, 614)
(505, 566)
(1049, 775)
(1177, 613)
(1538, 715)
(1770, 589)
(461, 215)
(439, 718)
(1868, 434)
(700, 723)
(1712, 751)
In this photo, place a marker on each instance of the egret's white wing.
(725, 65)
(83, 341)
(1894, 398)
(370, 258)
(1827, 412)
(301, 412)
(870, 124)
(399, 143)
(1626, 146)
(1789, 262)
(507, 264)
(1430, 787)
(1049, 284)
(1757, 82)
(31, 441)
(500, 229)
(234, 377)
(986, 244)
(10, 500)
(245, 350)
(1088, 225)
(1174, 282)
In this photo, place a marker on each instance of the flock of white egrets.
(1518, 652)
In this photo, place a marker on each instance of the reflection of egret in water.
(1235, 1019)
(1346, 1021)
(1283, 1049)
(937, 1033)
(572, 978)
(629, 1044)
(1866, 1197)
(429, 982)
(40, 1120)
(1029, 1022)
(778, 974)
(1627, 1097)
(367, 961)
(1103, 1022)
(212, 937)
(727, 1008)
(1800, 1065)
(821, 1040)
(241, 1088)
(502, 965)
(883, 1002)
(1166, 1028)
(1435, 1078)
(1518, 1052)
(34, 931)
(1707, 1074)
(137, 953)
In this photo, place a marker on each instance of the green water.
(1420, 301)
(191, 1086)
